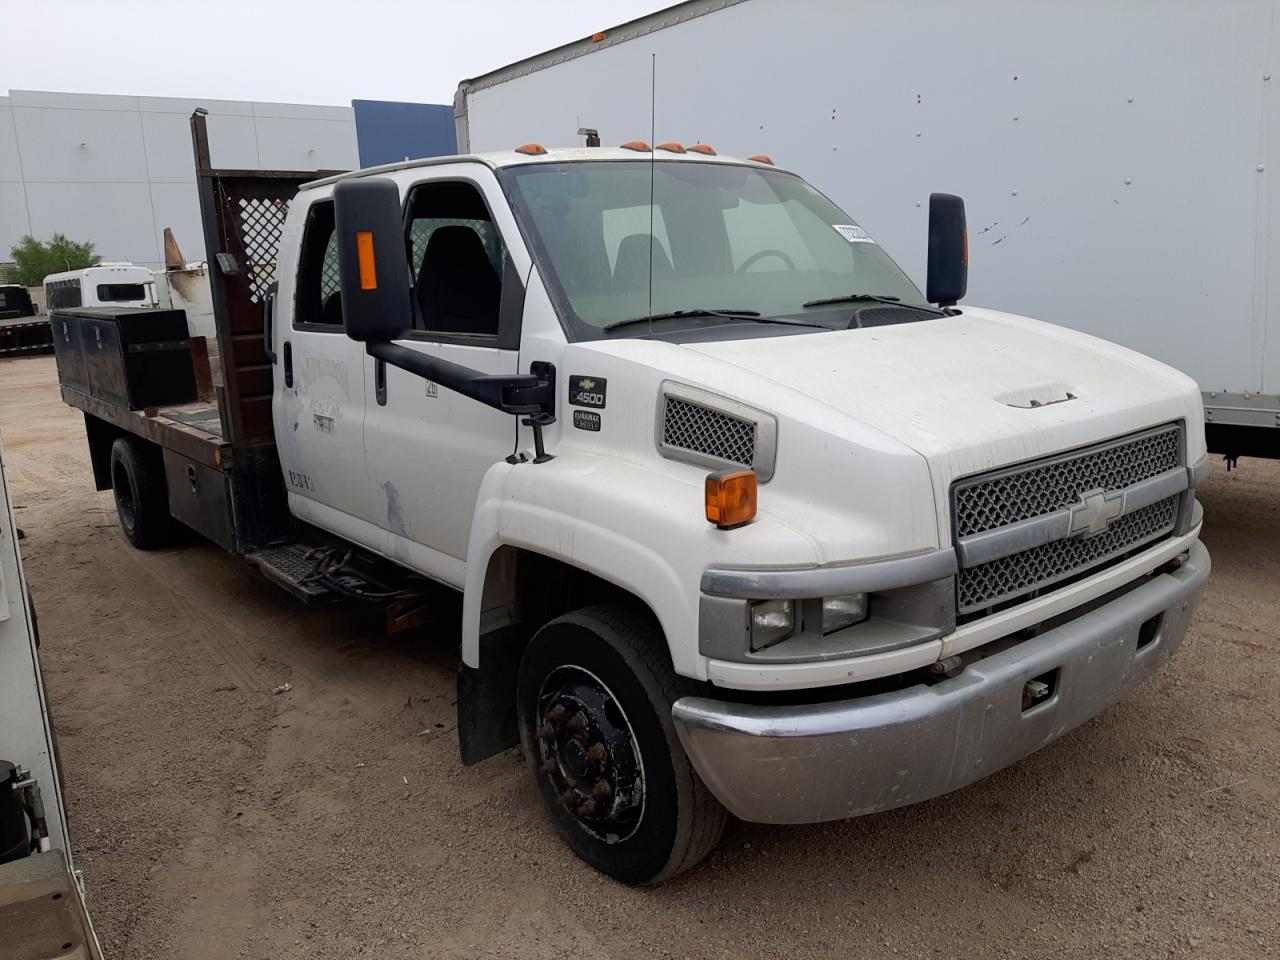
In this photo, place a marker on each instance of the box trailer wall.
(1116, 159)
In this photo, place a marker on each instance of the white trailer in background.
(41, 907)
(1116, 159)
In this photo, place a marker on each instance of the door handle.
(380, 381)
(268, 319)
(288, 364)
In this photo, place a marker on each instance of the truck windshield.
(725, 238)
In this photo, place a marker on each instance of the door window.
(458, 260)
(318, 299)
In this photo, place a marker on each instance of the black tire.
(142, 497)
(610, 665)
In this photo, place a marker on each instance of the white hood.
(974, 392)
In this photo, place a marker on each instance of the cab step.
(297, 568)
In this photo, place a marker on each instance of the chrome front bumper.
(830, 761)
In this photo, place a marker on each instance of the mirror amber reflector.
(731, 498)
(597, 37)
(704, 148)
(762, 158)
(368, 265)
(635, 145)
(531, 149)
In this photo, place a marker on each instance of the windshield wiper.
(751, 315)
(855, 298)
(693, 312)
(876, 298)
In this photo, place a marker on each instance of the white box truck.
(1116, 158)
(743, 520)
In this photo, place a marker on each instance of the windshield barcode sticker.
(852, 232)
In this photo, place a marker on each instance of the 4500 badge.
(587, 391)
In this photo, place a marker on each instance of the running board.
(328, 574)
(293, 567)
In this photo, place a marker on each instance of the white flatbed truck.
(743, 521)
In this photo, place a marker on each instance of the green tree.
(35, 260)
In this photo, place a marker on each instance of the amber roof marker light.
(531, 149)
(703, 148)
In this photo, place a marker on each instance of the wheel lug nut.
(600, 790)
(597, 753)
(577, 722)
(556, 713)
(586, 808)
(546, 732)
(568, 798)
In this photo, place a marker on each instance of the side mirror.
(948, 250)
(372, 263)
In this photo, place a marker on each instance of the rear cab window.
(317, 300)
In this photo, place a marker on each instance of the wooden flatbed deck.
(194, 430)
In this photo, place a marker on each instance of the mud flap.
(487, 696)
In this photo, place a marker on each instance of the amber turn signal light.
(731, 498)
(368, 263)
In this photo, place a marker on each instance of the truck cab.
(744, 521)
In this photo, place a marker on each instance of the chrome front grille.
(711, 433)
(986, 503)
(992, 583)
(1033, 526)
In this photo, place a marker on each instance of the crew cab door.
(319, 382)
(427, 447)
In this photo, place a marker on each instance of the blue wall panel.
(389, 132)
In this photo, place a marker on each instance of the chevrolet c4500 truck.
(744, 522)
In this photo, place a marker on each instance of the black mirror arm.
(520, 393)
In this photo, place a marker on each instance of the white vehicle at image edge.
(774, 533)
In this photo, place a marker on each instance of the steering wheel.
(761, 254)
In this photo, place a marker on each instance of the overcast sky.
(295, 51)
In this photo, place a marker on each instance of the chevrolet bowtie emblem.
(1094, 513)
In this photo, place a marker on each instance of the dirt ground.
(213, 818)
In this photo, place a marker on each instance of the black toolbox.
(133, 356)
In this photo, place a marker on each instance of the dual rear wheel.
(142, 496)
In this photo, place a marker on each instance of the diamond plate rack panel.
(260, 225)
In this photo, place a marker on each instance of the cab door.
(427, 448)
(319, 382)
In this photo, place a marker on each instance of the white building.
(117, 170)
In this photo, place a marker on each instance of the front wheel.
(594, 700)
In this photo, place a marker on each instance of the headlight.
(771, 621)
(843, 611)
